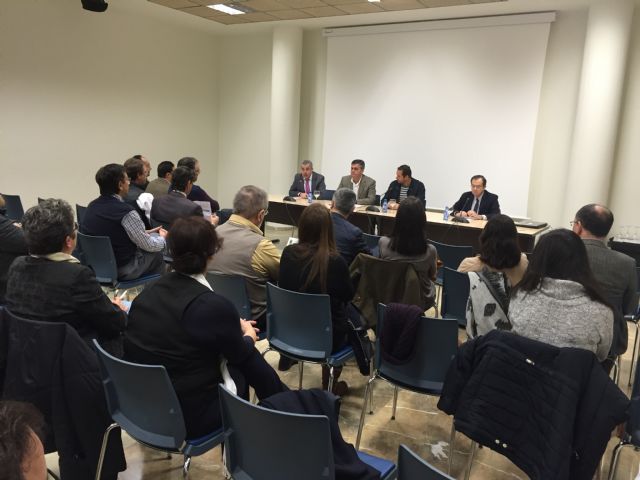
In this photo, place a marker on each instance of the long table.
(439, 230)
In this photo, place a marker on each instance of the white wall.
(79, 90)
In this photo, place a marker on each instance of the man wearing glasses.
(479, 203)
(246, 252)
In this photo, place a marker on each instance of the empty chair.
(142, 401)
(233, 288)
(436, 344)
(299, 326)
(303, 449)
(455, 296)
(13, 205)
(412, 467)
(451, 255)
(98, 255)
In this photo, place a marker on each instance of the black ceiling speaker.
(94, 5)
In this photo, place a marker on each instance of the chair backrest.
(436, 345)
(98, 255)
(638, 275)
(13, 204)
(299, 323)
(412, 467)
(252, 454)
(371, 240)
(80, 211)
(141, 399)
(451, 255)
(377, 200)
(234, 289)
(326, 195)
(455, 288)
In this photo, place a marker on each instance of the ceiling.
(282, 10)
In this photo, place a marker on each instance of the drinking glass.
(316, 194)
(392, 203)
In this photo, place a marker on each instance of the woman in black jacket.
(315, 266)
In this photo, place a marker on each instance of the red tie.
(307, 189)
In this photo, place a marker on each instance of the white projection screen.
(449, 98)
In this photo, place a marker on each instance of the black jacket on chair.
(549, 410)
(48, 365)
(489, 205)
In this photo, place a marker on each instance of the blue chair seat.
(341, 356)
(385, 467)
(198, 446)
(424, 386)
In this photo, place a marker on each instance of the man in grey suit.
(615, 271)
(363, 186)
(307, 181)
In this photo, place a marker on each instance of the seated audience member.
(499, 267)
(408, 243)
(307, 181)
(363, 186)
(558, 300)
(137, 251)
(50, 285)
(138, 175)
(245, 251)
(176, 204)
(477, 204)
(349, 239)
(160, 186)
(147, 168)
(21, 448)
(614, 271)
(313, 265)
(12, 245)
(197, 193)
(179, 322)
(402, 187)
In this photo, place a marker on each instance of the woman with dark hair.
(408, 243)
(179, 322)
(558, 300)
(50, 285)
(492, 273)
(315, 266)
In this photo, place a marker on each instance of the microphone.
(463, 209)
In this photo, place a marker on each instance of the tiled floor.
(418, 424)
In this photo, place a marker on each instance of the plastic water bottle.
(445, 214)
(309, 197)
(385, 206)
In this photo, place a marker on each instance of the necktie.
(476, 205)
(307, 188)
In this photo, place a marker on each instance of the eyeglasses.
(266, 212)
(76, 227)
(574, 222)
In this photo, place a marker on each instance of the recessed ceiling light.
(374, 1)
(221, 7)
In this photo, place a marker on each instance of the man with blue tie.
(307, 181)
(477, 204)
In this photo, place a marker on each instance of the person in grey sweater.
(559, 301)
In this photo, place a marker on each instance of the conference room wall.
(80, 89)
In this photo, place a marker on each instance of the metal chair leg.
(395, 402)
(371, 396)
(474, 447)
(633, 355)
(452, 440)
(300, 373)
(614, 458)
(367, 392)
(103, 448)
(185, 466)
(616, 370)
(331, 379)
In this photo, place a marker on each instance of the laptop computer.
(522, 222)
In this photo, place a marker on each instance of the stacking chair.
(635, 318)
(412, 467)
(299, 327)
(13, 204)
(456, 294)
(326, 195)
(450, 256)
(302, 450)
(436, 345)
(80, 211)
(371, 241)
(141, 400)
(98, 254)
(234, 289)
(631, 436)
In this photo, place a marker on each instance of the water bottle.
(309, 197)
(445, 214)
(385, 206)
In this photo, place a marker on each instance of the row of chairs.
(142, 401)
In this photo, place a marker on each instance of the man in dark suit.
(137, 172)
(307, 181)
(349, 239)
(175, 204)
(615, 271)
(402, 187)
(12, 245)
(479, 203)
